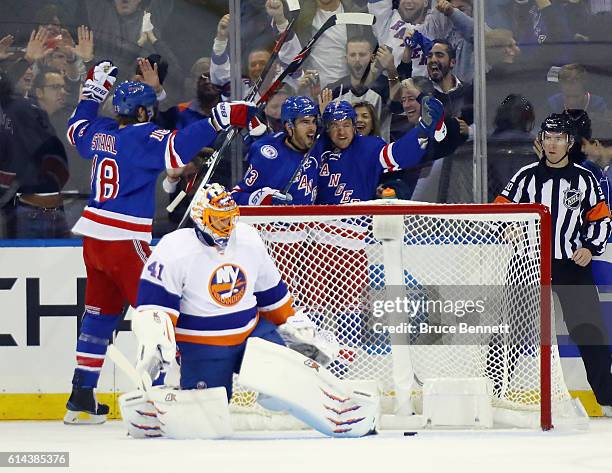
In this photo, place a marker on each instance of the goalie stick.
(337, 19)
(212, 161)
(142, 382)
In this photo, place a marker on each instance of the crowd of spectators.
(542, 56)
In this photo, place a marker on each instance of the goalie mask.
(214, 214)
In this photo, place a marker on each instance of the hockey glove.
(156, 344)
(100, 80)
(239, 114)
(269, 196)
(256, 127)
(431, 122)
(302, 335)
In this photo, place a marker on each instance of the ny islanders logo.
(227, 284)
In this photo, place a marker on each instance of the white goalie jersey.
(214, 298)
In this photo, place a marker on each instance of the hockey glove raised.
(100, 80)
(239, 114)
(431, 122)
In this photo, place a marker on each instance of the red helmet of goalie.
(215, 215)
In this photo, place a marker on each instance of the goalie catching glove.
(100, 80)
(302, 335)
(156, 344)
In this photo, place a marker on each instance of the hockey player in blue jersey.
(127, 155)
(351, 165)
(274, 159)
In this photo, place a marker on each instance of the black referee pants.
(579, 300)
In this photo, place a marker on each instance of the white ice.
(105, 448)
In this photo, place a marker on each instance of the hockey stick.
(298, 60)
(294, 10)
(142, 382)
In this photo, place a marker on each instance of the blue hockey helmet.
(336, 111)
(131, 95)
(298, 106)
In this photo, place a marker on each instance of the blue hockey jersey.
(352, 174)
(271, 165)
(125, 165)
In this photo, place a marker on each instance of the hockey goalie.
(213, 294)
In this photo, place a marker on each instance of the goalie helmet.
(131, 95)
(214, 214)
(338, 110)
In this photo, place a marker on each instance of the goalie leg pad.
(289, 381)
(192, 414)
(139, 415)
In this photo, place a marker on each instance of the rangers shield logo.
(572, 198)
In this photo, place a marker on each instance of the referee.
(581, 225)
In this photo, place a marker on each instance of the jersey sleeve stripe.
(386, 158)
(157, 297)
(279, 315)
(272, 298)
(72, 129)
(598, 212)
(173, 160)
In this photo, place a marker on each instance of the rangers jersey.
(352, 174)
(125, 165)
(390, 30)
(214, 298)
(272, 164)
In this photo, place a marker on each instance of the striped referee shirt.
(580, 216)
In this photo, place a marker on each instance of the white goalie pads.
(156, 343)
(302, 335)
(294, 383)
(177, 414)
(139, 415)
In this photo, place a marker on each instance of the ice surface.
(105, 448)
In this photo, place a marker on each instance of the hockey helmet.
(556, 123)
(298, 106)
(581, 128)
(215, 214)
(131, 95)
(580, 123)
(338, 110)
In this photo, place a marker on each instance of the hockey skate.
(84, 409)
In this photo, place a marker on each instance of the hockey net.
(344, 262)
